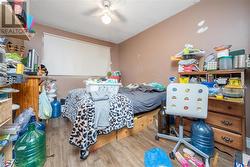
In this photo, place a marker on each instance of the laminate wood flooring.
(128, 152)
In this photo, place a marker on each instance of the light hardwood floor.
(128, 152)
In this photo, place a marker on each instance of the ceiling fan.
(107, 12)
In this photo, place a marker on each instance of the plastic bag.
(156, 157)
(45, 109)
(23, 119)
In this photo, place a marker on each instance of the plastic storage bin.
(184, 80)
(106, 88)
(30, 149)
(226, 63)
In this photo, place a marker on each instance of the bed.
(79, 109)
(144, 100)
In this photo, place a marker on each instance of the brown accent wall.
(66, 83)
(146, 56)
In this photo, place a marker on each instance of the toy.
(181, 160)
(193, 160)
(42, 70)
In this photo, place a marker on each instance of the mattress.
(144, 101)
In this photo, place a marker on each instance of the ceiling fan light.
(106, 19)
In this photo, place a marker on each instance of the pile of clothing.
(189, 59)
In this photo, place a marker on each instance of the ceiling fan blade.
(117, 15)
(92, 12)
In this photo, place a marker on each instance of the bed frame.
(140, 123)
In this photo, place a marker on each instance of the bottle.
(163, 126)
(56, 108)
(30, 149)
(202, 137)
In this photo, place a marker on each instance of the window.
(65, 56)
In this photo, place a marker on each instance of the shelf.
(218, 72)
(237, 71)
(231, 100)
(193, 73)
(4, 122)
(9, 15)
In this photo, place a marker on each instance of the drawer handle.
(229, 107)
(226, 123)
(227, 139)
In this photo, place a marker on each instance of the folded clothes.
(188, 62)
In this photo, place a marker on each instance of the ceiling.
(70, 15)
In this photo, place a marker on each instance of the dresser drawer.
(235, 109)
(227, 122)
(5, 110)
(227, 138)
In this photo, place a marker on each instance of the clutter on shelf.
(225, 59)
(222, 84)
(189, 59)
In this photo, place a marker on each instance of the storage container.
(56, 108)
(233, 92)
(239, 58)
(30, 149)
(106, 88)
(226, 63)
(239, 61)
(223, 53)
(184, 80)
(202, 137)
(213, 65)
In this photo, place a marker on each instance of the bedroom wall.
(146, 56)
(66, 83)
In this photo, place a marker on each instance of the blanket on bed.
(80, 109)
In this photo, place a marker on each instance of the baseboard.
(248, 142)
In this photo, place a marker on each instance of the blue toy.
(156, 157)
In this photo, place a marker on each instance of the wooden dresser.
(227, 117)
